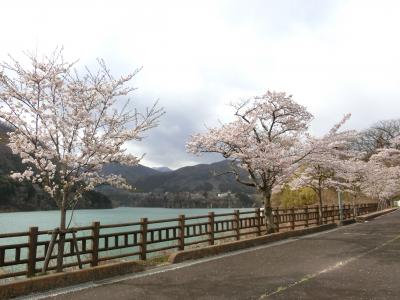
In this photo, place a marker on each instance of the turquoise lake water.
(21, 221)
(47, 220)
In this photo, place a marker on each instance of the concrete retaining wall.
(59, 280)
(180, 256)
(373, 215)
(238, 245)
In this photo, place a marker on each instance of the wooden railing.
(23, 253)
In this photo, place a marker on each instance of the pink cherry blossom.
(68, 125)
(267, 139)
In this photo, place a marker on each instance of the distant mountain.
(202, 177)
(163, 169)
(130, 173)
(192, 186)
(196, 178)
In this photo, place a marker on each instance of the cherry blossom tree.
(375, 171)
(320, 168)
(381, 183)
(66, 126)
(383, 173)
(266, 138)
(352, 174)
(378, 136)
(319, 176)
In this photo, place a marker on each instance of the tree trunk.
(60, 253)
(269, 219)
(382, 204)
(320, 207)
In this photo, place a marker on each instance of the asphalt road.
(360, 261)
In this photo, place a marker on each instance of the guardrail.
(26, 252)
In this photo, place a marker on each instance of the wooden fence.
(23, 253)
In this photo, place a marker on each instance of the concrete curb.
(184, 255)
(373, 215)
(59, 280)
(348, 222)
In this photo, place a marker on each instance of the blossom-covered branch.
(267, 139)
(66, 125)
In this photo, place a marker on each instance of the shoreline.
(110, 208)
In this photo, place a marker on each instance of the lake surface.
(47, 220)
(21, 221)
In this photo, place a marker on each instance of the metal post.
(340, 208)
(258, 218)
(237, 223)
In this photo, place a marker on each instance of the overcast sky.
(333, 56)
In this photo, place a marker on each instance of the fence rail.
(140, 240)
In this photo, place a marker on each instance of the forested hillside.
(24, 196)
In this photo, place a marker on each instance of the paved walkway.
(360, 261)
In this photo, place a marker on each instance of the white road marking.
(326, 270)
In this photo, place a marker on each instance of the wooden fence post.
(332, 213)
(181, 241)
(306, 216)
(292, 219)
(325, 213)
(237, 224)
(211, 228)
(278, 219)
(143, 242)
(31, 266)
(95, 244)
(258, 218)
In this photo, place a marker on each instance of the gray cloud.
(333, 56)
